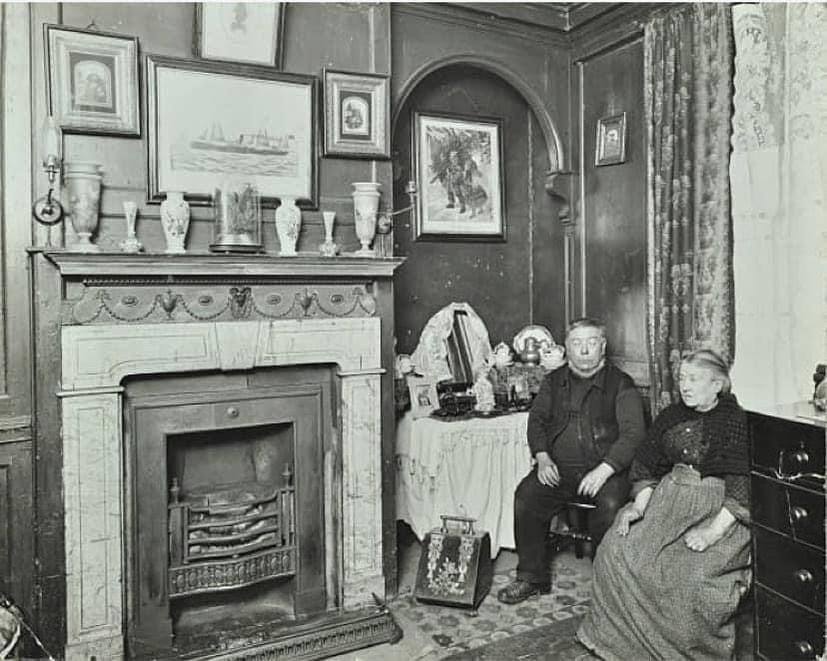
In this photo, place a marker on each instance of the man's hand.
(594, 480)
(547, 471)
(626, 517)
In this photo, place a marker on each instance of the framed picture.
(424, 397)
(251, 32)
(459, 176)
(92, 81)
(195, 138)
(356, 114)
(610, 148)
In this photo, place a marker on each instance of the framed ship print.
(459, 176)
(195, 138)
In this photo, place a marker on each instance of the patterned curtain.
(779, 199)
(688, 94)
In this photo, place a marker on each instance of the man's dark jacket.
(611, 415)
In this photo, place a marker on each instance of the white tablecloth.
(466, 467)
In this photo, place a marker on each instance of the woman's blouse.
(714, 442)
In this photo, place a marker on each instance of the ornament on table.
(130, 243)
(552, 355)
(484, 392)
(502, 356)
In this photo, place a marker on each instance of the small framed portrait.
(92, 81)
(610, 148)
(423, 395)
(251, 32)
(459, 175)
(357, 114)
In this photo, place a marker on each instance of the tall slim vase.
(365, 207)
(82, 182)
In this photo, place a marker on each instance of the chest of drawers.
(788, 497)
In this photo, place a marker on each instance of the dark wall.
(612, 234)
(515, 74)
(494, 278)
(352, 37)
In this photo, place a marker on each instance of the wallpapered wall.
(353, 37)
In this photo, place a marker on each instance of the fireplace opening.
(231, 507)
(231, 525)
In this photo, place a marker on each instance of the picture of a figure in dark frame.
(93, 83)
(423, 399)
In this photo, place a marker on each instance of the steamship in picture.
(247, 143)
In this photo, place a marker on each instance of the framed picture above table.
(250, 32)
(356, 115)
(458, 161)
(207, 121)
(92, 81)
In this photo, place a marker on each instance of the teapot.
(502, 355)
(531, 351)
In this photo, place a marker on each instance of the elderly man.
(583, 429)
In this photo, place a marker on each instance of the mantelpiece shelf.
(310, 265)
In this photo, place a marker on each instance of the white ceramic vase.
(130, 213)
(82, 182)
(365, 207)
(328, 248)
(288, 226)
(175, 219)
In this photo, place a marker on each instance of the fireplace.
(226, 491)
(282, 390)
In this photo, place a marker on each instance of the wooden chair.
(573, 526)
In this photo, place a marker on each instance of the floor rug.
(455, 630)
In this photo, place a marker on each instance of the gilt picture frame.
(458, 164)
(195, 140)
(248, 32)
(357, 114)
(92, 81)
(610, 144)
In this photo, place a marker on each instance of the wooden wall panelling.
(51, 579)
(16, 532)
(611, 232)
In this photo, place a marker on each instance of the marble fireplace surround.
(95, 360)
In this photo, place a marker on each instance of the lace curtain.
(687, 96)
(778, 172)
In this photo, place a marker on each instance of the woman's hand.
(626, 517)
(706, 533)
(547, 471)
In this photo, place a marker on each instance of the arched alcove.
(509, 283)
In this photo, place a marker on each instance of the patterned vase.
(365, 206)
(175, 219)
(288, 226)
(82, 182)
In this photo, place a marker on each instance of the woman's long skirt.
(653, 597)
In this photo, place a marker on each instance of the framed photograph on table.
(356, 115)
(92, 81)
(459, 176)
(251, 32)
(424, 398)
(196, 139)
(610, 147)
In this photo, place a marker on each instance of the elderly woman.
(669, 574)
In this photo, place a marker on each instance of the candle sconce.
(48, 210)
(384, 223)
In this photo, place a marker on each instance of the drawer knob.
(232, 412)
(799, 513)
(803, 576)
(804, 648)
(801, 457)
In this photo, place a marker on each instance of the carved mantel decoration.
(124, 315)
